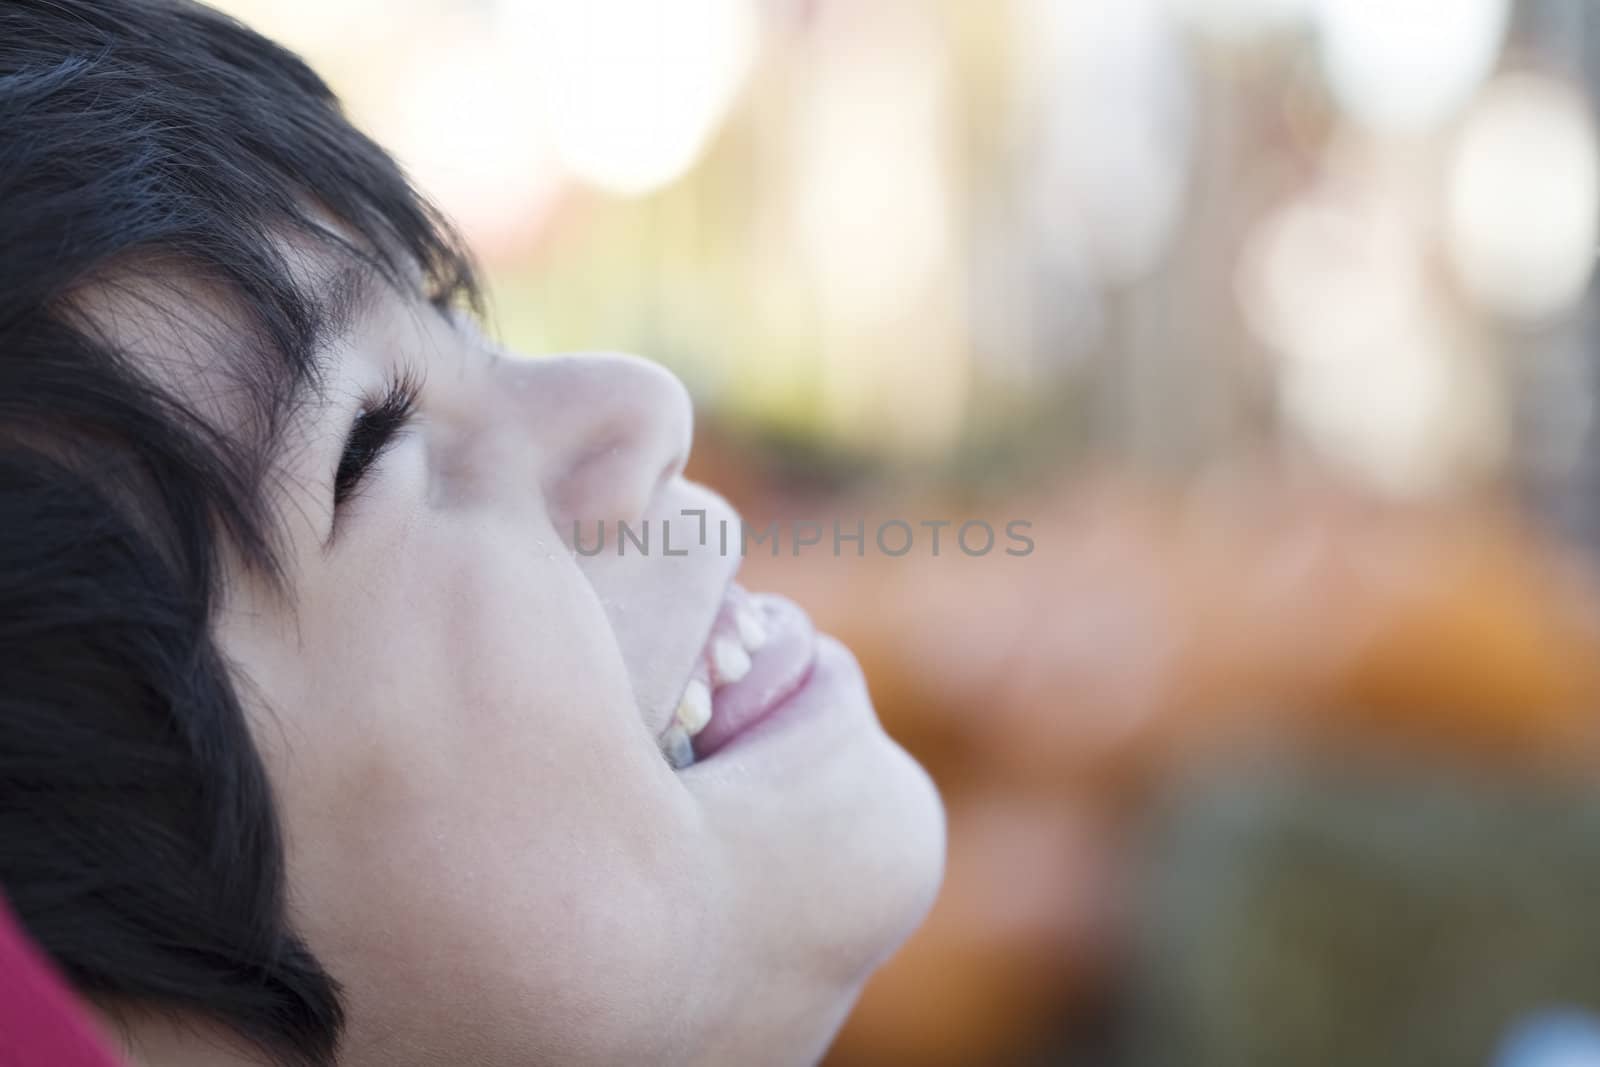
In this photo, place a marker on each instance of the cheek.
(476, 819)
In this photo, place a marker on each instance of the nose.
(613, 429)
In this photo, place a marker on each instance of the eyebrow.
(346, 297)
(341, 300)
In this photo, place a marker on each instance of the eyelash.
(375, 429)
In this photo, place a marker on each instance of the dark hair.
(155, 147)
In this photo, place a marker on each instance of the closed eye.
(377, 427)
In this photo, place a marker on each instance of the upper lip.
(699, 652)
(730, 570)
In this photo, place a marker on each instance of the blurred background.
(1273, 317)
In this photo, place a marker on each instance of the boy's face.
(459, 714)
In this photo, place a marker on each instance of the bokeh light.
(1400, 64)
(628, 91)
(1522, 206)
(1240, 20)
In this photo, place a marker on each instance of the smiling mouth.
(760, 651)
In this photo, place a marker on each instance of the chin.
(838, 833)
(890, 824)
(901, 815)
(886, 862)
(851, 904)
(911, 863)
(896, 867)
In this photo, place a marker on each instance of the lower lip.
(779, 670)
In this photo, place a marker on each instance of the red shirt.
(42, 1024)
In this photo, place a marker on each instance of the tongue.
(777, 669)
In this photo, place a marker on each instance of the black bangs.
(158, 131)
(160, 147)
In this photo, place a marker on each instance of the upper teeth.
(694, 710)
(677, 747)
(729, 661)
(726, 660)
(752, 631)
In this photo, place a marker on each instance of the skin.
(485, 846)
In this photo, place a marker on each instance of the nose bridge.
(611, 429)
